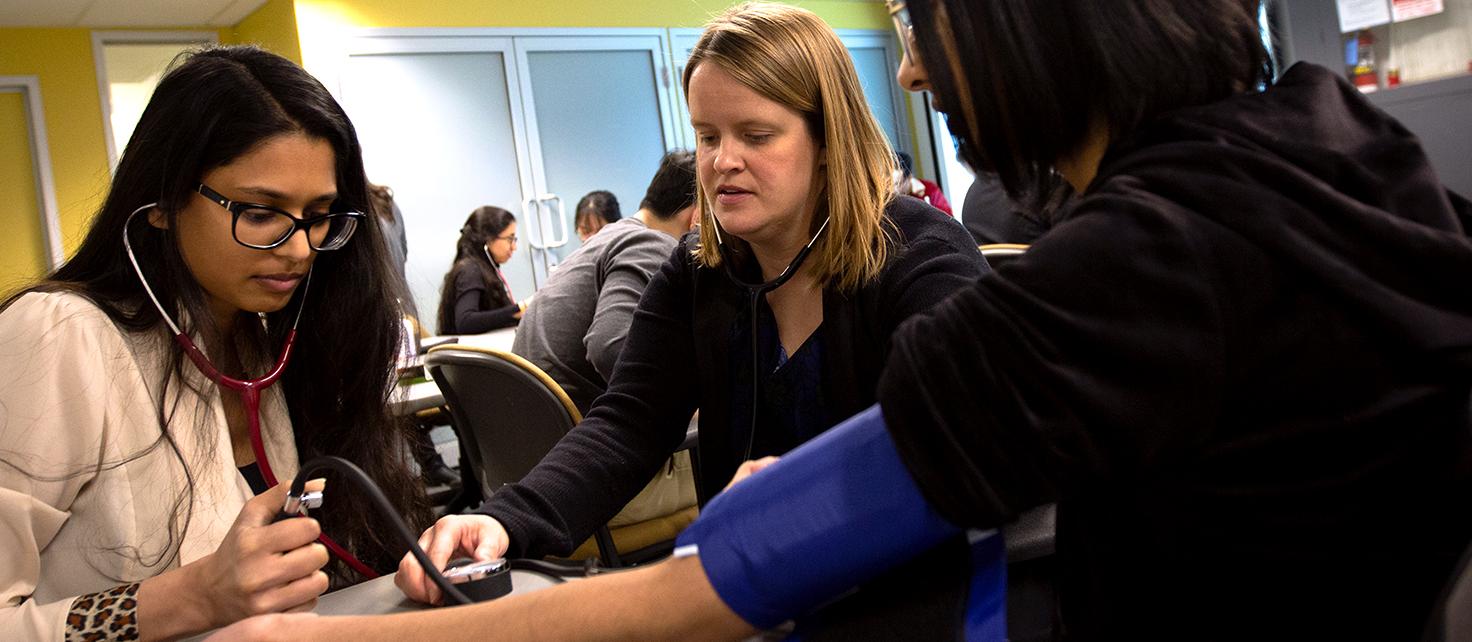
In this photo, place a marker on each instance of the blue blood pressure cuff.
(833, 514)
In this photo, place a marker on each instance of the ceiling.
(125, 13)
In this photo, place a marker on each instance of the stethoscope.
(497, 267)
(755, 291)
(249, 389)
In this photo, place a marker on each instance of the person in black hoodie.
(1241, 363)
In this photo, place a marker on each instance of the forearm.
(172, 605)
(832, 514)
(670, 600)
(478, 321)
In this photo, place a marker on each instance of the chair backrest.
(1000, 253)
(508, 411)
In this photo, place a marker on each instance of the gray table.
(381, 597)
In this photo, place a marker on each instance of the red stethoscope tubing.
(250, 390)
(250, 396)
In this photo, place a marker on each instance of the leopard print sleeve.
(109, 615)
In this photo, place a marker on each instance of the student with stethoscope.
(774, 320)
(225, 316)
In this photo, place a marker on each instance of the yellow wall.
(323, 24)
(566, 13)
(62, 59)
(23, 245)
(273, 27)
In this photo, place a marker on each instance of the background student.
(475, 297)
(595, 210)
(577, 328)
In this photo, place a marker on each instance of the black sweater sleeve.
(629, 432)
(470, 318)
(1050, 372)
(938, 258)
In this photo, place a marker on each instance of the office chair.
(510, 414)
(1451, 618)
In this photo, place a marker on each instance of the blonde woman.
(804, 264)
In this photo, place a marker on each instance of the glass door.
(527, 120)
(599, 120)
(440, 123)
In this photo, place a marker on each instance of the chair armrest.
(1033, 535)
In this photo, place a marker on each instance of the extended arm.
(603, 462)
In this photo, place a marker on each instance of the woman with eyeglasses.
(138, 436)
(475, 297)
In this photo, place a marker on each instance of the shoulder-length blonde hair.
(790, 56)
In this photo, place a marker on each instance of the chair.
(1032, 571)
(510, 414)
(1451, 618)
(998, 254)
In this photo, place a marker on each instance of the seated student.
(992, 216)
(805, 262)
(1238, 363)
(133, 501)
(583, 312)
(475, 297)
(595, 210)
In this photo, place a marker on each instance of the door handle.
(531, 209)
(559, 217)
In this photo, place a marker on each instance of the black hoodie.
(1241, 365)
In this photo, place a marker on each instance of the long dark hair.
(213, 106)
(485, 223)
(1021, 79)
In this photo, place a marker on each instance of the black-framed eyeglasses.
(903, 26)
(262, 227)
(511, 239)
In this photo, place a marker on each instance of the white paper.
(1407, 9)
(1362, 14)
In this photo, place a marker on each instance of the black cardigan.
(675, 360)
(478, 306)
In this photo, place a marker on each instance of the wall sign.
(1362, 14)
(1407, 9)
